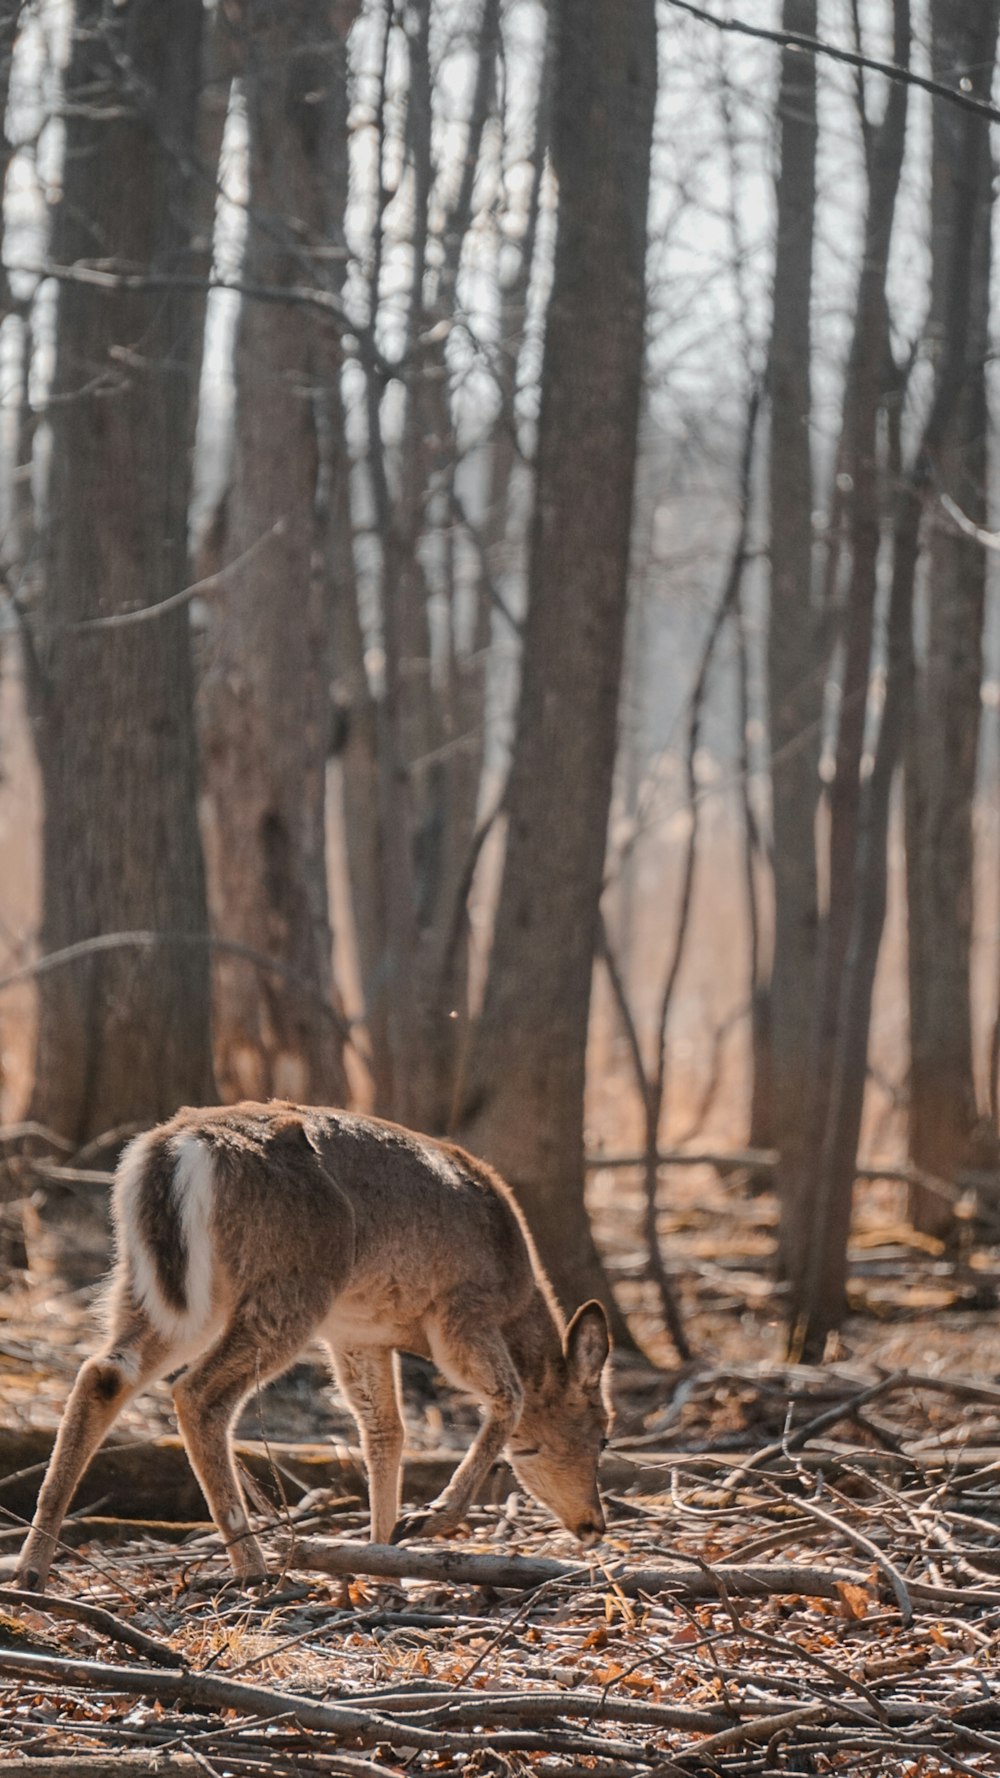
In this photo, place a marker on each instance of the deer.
(244, 1233)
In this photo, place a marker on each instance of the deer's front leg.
(369, 1379)
(477, 1359)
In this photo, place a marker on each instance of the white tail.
(245, 1232)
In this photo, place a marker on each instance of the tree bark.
(943, 734)
(869, 374)
(10, 19)
(523, 1107)
(430, 715)
(818, 1303)
(122, 1037)
(794, 653)
(266, 692)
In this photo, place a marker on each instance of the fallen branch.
(764, 1729)
(867, 1548)
(80, 1612)
(152, 1479)
(367, 1728)
(461, 1567)
(105, 1765)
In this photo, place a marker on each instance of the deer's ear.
(587, 1344)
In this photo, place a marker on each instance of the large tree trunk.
(942, 743)
(266, 694)
(794, 658)
(523, 1106)
(123, 1036)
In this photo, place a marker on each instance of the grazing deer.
(245, 1232)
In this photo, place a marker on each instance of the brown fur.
(244, 1232)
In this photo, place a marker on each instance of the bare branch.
(967, 526)
(117, 620)
(148, 941)
(816, 46)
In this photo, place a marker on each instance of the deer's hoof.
(256, 1583)
(410, 1525)
(436, 1521)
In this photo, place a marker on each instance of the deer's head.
(564, 1427)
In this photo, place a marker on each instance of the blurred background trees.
(496, 554)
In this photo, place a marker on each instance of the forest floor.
(801, 1573)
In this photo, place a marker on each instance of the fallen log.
(95, 1528)
(152, 1478)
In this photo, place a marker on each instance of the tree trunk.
(123, 1036)
(869, 374)
(430, 716)
(523, 1107)
(266, 693)
(356, 742)
(10, 19)
(942, 743)
(794, 658)
(819, 1303)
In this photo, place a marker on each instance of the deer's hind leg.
(135, 1355)
(369, 1379)
(262, 1338)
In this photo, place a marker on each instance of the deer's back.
(233, 1199)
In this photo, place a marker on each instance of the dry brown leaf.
(854, 1600)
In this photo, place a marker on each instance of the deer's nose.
(591, 1529)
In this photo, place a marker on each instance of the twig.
(794, 1441)
(730, 1161)
(764, 1729)
(24, 1132)
(818, 47)
(867, 1548)
(79, 1611)
(148, 941)
(117, 620)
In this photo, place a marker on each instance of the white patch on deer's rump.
(194, 1194)
(192, 1187)
(131, 1247)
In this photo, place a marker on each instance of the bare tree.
(795, 644)
(523, 1104)
(943, 732)
(861, 470)
(123, 1035)
(820, 1297)
(428, 718)
(10, 19)
(265, 693)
